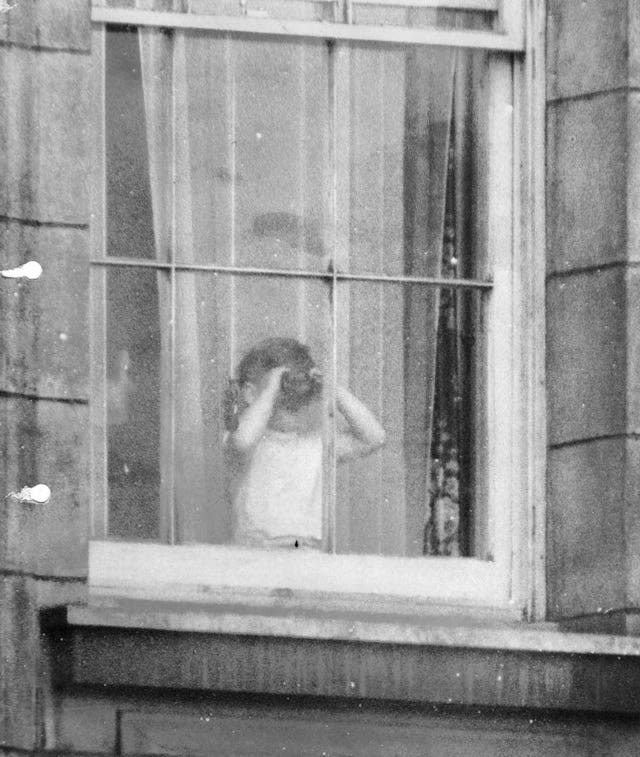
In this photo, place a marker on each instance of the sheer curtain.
(399, 114)
(157, 83)
(181, 162)
(241, 171)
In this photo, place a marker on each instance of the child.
(274, 445)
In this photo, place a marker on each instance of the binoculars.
(300, 384)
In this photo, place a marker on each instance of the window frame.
(252, 18)
(513, 581)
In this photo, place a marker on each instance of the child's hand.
(274, 379)
(254, 419)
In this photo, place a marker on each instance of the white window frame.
(512, 581)
(254, 19)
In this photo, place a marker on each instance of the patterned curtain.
(442, 528)
(448, 526)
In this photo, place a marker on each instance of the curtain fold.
(430, 78)
(156, 50)
(448, 517)
(175, 107)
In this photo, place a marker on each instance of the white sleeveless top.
(277, 491)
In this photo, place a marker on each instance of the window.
(362, 198)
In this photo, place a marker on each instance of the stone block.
(609, 622)
(44, 442)
(45, 135)
(86, 725)
(358, 734)
(19, 643)
(219, 724)
(633, 176)
(634, 44)
(60, 24)
(586, 355)
(587, 44)
(632, 527)
(633, 349)
(4, 26)
(586, 182)
(44, 341)
(586, 538)
(54, 594)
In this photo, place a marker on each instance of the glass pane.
(267, 492)
(413, 356)
(228, 151)
(479, 16)
(286, 10)
(230, 141)
(230, 137)
(282, 142)
(251, 132)
(133, 402)
(129, 214)
(413, 171)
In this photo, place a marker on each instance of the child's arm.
(254, 419)
(365, 432)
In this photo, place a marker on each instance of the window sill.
(452, 631)
(349, 655)
(309, 580)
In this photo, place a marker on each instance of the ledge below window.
(436, 631)
(219, 648)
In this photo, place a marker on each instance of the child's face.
(304, 418)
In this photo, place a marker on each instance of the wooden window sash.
(301, 273)
(335, 192)
(208, 574)
(471, 5)
(510, 37)
(98, 511)
(501, 576)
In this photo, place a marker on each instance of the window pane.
(229, 139)
(133, 402)
(223, 493)
(412, 170)
(230, 136)
(413, 356)
(231, 151)
(129, 212)
(281, 139)
(409, 14)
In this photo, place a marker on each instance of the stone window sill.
(454, 631)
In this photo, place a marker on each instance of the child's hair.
(272, 353)
(300, 384)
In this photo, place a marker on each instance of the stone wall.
(593, 172)
(44, 216)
